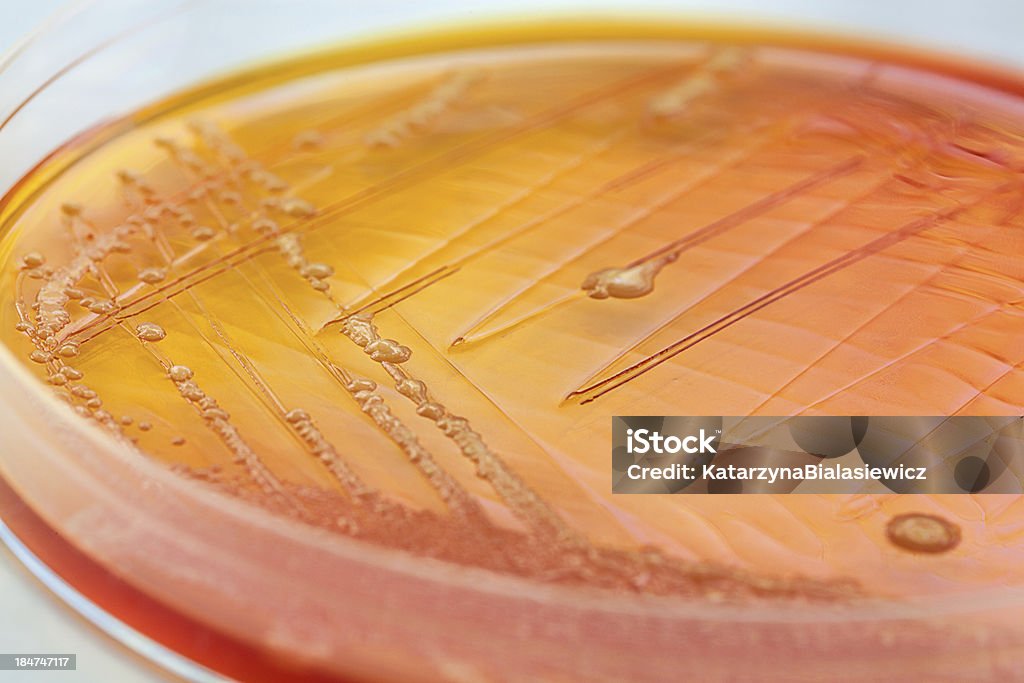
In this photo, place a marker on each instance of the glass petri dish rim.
(167, 659)
(996, 607)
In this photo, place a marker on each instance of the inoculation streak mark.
(598, 389)
(669, 252)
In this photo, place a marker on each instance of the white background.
(33, 620)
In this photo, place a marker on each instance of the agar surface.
(403, 308)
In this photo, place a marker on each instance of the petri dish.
(310, 355)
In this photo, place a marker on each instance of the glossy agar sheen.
(400, 301)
